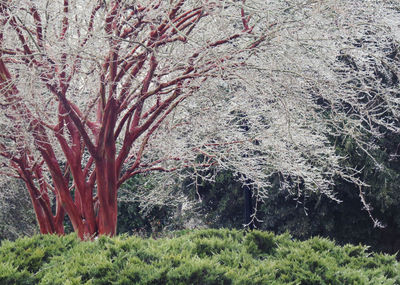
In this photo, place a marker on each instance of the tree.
(95, 93)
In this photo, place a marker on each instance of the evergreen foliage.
(192, 257)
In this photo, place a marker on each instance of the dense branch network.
(95, 93)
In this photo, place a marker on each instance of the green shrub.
(258, 242)
(9, 274)
(198, 271)
(196, 257)
(30, 253)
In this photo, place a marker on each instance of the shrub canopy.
(196, 257)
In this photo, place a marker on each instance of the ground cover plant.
(192, 257)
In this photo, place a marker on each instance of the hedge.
(192, 257)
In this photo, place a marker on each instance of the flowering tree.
(95, 92)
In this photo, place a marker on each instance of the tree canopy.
(95, 93)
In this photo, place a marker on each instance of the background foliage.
(17, 217)
(310, 214)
